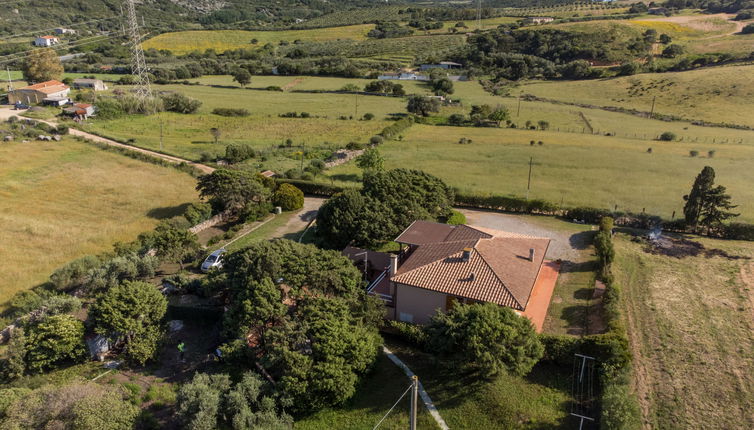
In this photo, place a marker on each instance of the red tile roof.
(48, 87)
(498, 269)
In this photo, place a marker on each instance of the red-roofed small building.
(37, 93)
(440, 265)
(46, 41)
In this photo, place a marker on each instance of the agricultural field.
(189, 135)
(718, 94)
(184, 42)
(497, 162)
(62, 200)
(690, 322)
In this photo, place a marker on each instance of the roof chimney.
(472, 277)
(466, 254)
(393, 265)
(531, 254)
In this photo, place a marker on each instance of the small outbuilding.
(37, 93)
(46, 41)
(90, 84)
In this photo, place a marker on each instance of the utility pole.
(10, 82)
(518, 112)
(161, 132)
(479, 15)
(356, 112)
(138, 64)
(528, 185)
(414, 402)
(652, 112)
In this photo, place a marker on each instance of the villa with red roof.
(37, 93)
(441, 265)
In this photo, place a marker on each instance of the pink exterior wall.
(419, 303)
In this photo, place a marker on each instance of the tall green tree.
(133, 311)
(242, 76)
(174, 243)
(304, 314)
(53, 340)
(424, 106)
(232, 190)
(371, 160)
(707, 205)
(352, 217)
(12, 365)
(485, 337)
(42, 65)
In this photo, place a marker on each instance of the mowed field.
(63, 200)
(690, 322)
(183, 42)
(571, 168)
(718, 94)
(189, 135)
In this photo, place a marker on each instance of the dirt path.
(6, 113)
(292, 84)
(298, 223)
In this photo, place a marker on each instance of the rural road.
(7, 112)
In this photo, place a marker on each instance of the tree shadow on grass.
(581, 240)
(576, 316)
(168, 211)
(568, 266)
(346, 177)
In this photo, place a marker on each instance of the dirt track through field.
(6, 113)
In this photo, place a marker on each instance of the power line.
(396, 404)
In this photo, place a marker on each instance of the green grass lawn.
(539, 400)
(183, 42)
(62, 200)
(690, 324)
(719, 94)
(376, 394)
(575, 169)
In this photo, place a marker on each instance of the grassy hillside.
(573, 168)
(690, 325)
(225, 40)
(62, 200)
(719, 94)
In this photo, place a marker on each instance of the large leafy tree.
(485, 337)
(133, 311)
(301, 313)
(74, 406)
(53, 340)
(242, 76)
(388, 203)
(352, 217)
(42, 65)
(232, 190)
(174, 243)
(707, 205)
(424, 106)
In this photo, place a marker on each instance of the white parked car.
(213, 261)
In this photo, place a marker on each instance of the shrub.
(236, 153)
(354, 146)
(693, 153)
(668, 136)
(288, 197)
(274, 88)
(749, 29)
(53, 340)
(672, 51)
(368, 116)
(376, 140)
(487, 337)
(231, 112)
(456, 218)
(411, 333)
(649, 150)
(177, 102)
(197, 213)
(711, 154)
